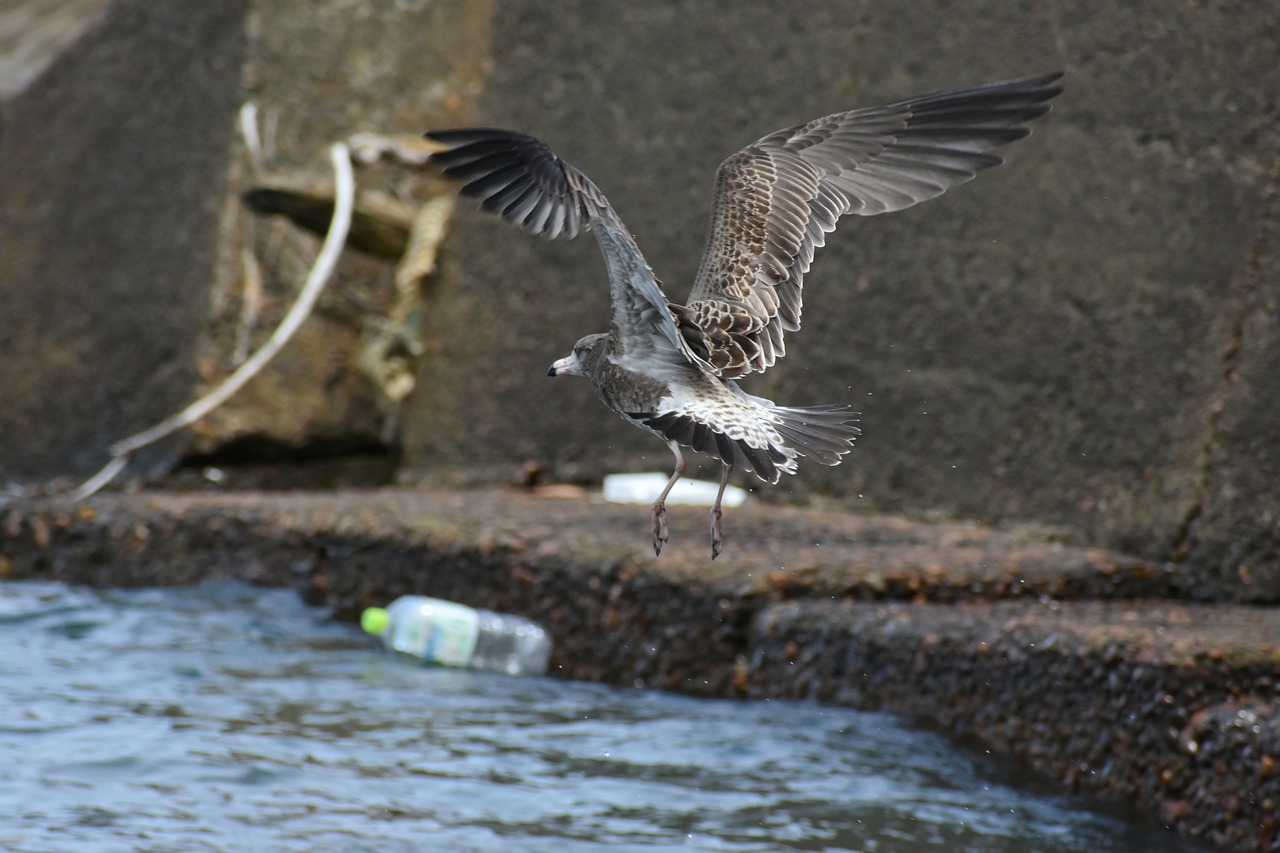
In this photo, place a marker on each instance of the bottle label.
(443, 632)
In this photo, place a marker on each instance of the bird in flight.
(672, 369)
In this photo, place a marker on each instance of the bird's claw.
(660, 531)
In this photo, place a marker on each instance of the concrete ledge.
(1062, 657)
(1169, 706)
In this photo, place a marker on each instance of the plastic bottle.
(453, 634)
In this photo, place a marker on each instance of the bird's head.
(582, 359)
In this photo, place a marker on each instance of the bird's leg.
(660, 534)
(716, 512)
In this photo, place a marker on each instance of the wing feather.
(776, 200)
(522, 180)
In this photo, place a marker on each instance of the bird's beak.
(565, 365)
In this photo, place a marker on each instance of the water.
(227, 717)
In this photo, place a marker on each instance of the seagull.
(672, 369)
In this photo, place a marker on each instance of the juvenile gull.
(669, 368)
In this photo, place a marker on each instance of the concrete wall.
(1084, 337)
(115, 121)
(1080, 337)
(132, 275)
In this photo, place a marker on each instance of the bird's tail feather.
(821, 433)
(779, 436)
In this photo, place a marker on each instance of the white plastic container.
(645, 488)
(452, 634)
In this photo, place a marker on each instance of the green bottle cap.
(374, 620)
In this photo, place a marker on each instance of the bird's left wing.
(776, 200)
(522, 180)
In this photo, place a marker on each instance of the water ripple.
(227, 717)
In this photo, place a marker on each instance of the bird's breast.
(625, 390)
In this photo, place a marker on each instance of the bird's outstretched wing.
(522, 180)
(776, 200)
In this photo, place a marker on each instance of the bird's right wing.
(522, 180)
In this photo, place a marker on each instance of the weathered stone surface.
(33, 35)
(1234, 531)
(767, 549)
(320, 72)
(1000, 636)
(135, 277)
(1047, 343)
(114, 130)
(1175, 708)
